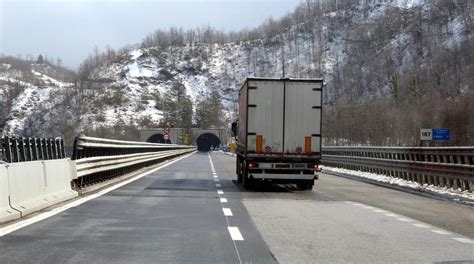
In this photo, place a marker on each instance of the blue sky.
(71, 29)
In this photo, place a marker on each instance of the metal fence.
(451, 167)
(20, 149)
(99, 159)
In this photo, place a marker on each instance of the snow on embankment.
(442, 191)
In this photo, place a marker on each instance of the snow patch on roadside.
(452, 193)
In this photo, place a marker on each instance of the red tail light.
(252, 165)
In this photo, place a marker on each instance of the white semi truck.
(279, 131)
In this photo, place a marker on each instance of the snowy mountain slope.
(358, 50)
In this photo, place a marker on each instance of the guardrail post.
(8, 149)
(29, 148)
(34, 149)
(16, 150)
(42, 149)
(63, 149)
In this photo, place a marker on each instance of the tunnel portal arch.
(207, 140)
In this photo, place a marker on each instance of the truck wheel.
(246, 181)
(238, 170)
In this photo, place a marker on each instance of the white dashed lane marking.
(420, 225)
(403, 219)
(440, 232)
(464, 240)
(218, 185)
(391, 215)
(235, 233)
(227, 211)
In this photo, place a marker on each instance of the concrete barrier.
(6, 212)
(58, 180)
(27, 184)
(35, 185)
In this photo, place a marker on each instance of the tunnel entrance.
(207, 140)
(158, 138)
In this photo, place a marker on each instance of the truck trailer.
(278, 131)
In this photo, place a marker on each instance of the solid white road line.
(227, 211)
(440, 232)
(421, 225)
(235, 233)
(13, 227)
(223, 200)
(218, 185)
(380, 211)
(464, 240)
(220, 192)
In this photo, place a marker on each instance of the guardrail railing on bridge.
(98, 159)
(20, 149)
(451, 167)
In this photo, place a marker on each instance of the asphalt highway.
(193, 211)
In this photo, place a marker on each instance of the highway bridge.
(189, 209)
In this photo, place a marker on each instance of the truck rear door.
(302, 117)
(265, 116)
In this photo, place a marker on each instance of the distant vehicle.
(279, 131)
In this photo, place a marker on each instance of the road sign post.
(166, 134)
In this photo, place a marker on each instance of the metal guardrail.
(451, 167)
(20, 149)
(99, 159)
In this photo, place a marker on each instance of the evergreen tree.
(209, 110)
(177, 106)
(40, 59)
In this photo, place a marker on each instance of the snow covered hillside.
(360, 50)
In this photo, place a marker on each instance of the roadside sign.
(166, 134)
(441, 134)
(426, 134)
(435, 134)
